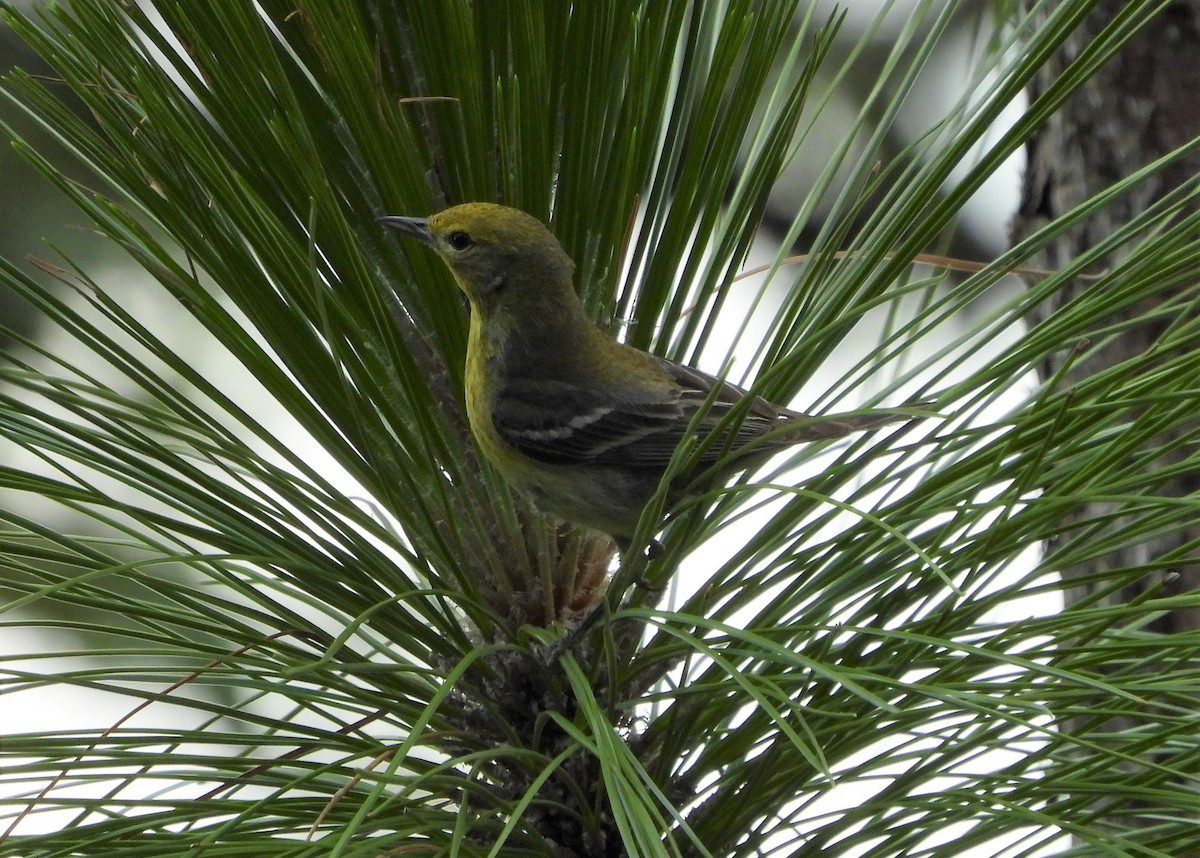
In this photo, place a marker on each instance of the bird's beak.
(417, 227)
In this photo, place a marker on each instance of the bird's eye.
(459, 240)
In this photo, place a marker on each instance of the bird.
(583, 424)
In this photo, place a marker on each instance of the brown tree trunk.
(1143, 104)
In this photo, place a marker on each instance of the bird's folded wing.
(562, 423)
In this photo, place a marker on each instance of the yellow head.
(509, 265)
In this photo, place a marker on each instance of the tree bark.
(1144, 103)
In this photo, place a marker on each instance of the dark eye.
(459, 240)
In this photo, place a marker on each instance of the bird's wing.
(638, 427)
(567, 424)
(560, 422)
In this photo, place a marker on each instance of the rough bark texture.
(1144, 103)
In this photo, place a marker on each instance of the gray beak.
(416, 227)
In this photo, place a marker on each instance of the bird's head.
(506, 261)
